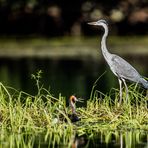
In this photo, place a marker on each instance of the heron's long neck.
(105, 52)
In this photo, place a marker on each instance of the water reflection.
(129, 139)
(108, 139)
(66, 76)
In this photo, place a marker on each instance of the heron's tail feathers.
(144, 83)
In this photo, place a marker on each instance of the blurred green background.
(53, 36)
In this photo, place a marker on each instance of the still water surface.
(69, 65)
(65, 76)
(107, 139)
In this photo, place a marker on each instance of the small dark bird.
(73, 117)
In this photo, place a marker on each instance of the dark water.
(107, 139)
(64, 75)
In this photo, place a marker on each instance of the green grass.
(22, 113)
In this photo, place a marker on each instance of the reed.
(23, 113)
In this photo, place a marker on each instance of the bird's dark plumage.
(74, 118)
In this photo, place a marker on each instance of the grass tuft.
(21, 112)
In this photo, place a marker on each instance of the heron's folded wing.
(124, 70)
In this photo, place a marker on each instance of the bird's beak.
(80, 100)
(92, 23)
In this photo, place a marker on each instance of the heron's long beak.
(92, 23)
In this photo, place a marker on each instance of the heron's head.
(99, 23)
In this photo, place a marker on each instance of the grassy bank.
(43, 113)
(77, 47)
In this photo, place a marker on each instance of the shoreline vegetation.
(21, 112)
(70, 47)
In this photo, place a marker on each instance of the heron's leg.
(126, 89)
(120, 85)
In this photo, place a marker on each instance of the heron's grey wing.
(123, 69)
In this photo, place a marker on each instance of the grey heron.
(121, 68)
